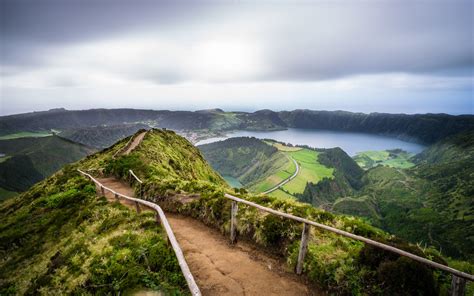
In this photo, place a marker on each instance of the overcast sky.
(386, 56)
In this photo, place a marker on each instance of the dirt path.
(135, 143)
(117, 186)
(218, 267)
(222, 269)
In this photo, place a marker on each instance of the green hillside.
(29, 160)
(101, 136)
(430, 203)
(347, 179)
(256, 164)
(74, 242)
(311, 170)
(395, 158)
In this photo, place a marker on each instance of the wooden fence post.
(303, 248)
(116, 196)
(233, 222)
(137, 205)
(458, 286)
(102, 190)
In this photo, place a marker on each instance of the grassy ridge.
(62, 239)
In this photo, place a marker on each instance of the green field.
(25, 135)
(282, 147)
(281, 194)
(393, 158)
(310, 170)
(285, 171)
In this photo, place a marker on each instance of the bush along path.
(219, 267)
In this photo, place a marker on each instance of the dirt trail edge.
(135, 143)
(220, 268)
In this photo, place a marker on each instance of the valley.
(405, 194)
(65, 215)
(391, 189)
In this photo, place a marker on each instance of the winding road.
(286, 180)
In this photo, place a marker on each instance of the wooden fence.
(458, 283)
(160, 218)
(459, 278)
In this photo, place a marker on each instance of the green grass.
(285, 148)
(62, 239)
(392, 158)
(286, 170)
(281, 194)
(310, 170)
(25, 135)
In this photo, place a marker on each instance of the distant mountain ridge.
(422, 128)
(30, 160)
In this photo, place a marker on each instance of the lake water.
(233, 182)
(349, 142)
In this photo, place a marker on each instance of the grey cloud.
(301, 41)
(373, 37)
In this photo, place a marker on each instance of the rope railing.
(459, 278)
(161, 218)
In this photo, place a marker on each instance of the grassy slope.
(282, 168)
(430, 203)
(62, 239)
(74, 242)
(255, 164)
(33, 159)
(392, 158)
(311, 171)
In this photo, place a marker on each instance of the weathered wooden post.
(233, 222)
(458, 286)
(116, 196)
(137, 205)
(102, 190)
(303, 248)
